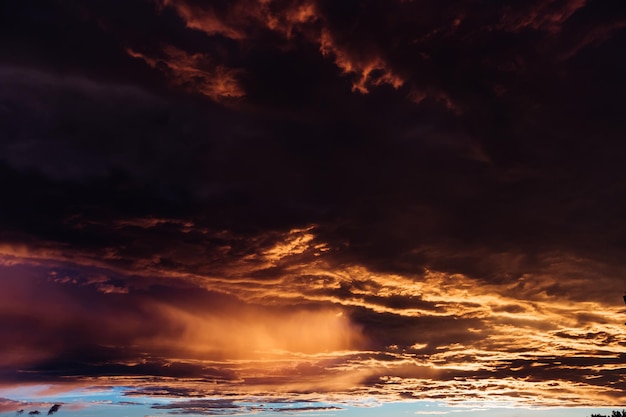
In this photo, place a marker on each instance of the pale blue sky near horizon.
(113, 402)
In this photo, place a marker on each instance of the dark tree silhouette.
(615, 413)
(54, 409)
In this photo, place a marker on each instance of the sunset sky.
(347, 208)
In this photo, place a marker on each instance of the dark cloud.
(203, 407)
(373, 183)
(229, 407)
(305, 409)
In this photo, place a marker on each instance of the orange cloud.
(309, 316)
(370, 69)
(241, 17)
(300, 13)
(195, 72)
(208, 20)
(238, 18)
(252, 333)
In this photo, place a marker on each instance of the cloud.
(370, 70)
(230, 407)
(317, 199)
(544, 15)
(497, 335)
(239, 20)
(306, 409)
(8, 405)
(196, 73)
(207, 407)
(210, 19)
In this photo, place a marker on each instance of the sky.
(312, 207)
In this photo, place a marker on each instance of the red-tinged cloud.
(230, 21)
(427, 50)
(7, 405)
(594, 36)
(370, 69)
(195, 73)
(395, 45)
(543, 15)
(239, 20)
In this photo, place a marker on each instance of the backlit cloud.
(195, 72)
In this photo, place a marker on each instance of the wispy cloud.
(195, 72)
